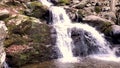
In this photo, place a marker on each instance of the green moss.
(32, 34)
(97, 9)
(64, 2)
(40, 33)
(14, 39)
(36, 9)
(80, 13)
(106, 28)
(35, 4)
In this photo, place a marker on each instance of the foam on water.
(63, 26)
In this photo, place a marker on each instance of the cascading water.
(45, 2)
(63, 26)
(59, 20)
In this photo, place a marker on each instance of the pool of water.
(83, 63)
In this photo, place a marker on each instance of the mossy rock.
(16, 32)
(98, 9)
(65, 2)
(14, 39)
(37, 53)
(81, 6)
(38, 39)
(108, 31)
(17, 19)
(34, 4)
(36, 9)
(40, 33)
(61, 2)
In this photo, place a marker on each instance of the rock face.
(28, 42)
(2, 38)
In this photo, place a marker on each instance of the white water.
(63, 26)
(45, 2)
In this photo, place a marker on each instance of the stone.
(99, 23)
(34, 44)
(18, 19)
(115, 33)
(36, 9)
(4, 14)
(2, 51)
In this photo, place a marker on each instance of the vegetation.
(36, 9)
(64, 2)
(97, 9)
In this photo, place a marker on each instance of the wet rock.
(114, 32)
(2, 52)
(83, 44)
(80, 48)
(117, 51)
(53, 36)
(55, 1)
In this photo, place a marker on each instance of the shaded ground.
(84, 63)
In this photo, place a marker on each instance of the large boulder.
(113, 32)
(80, 48)
(99, 23)
(36, 9)
(29, 42)
(84, 43)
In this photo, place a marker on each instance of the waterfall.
(45, 2)
(64, 27)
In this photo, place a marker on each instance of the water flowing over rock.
(90, 41)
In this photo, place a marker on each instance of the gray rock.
(2, 52)
(115, 33)
(99, 23)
